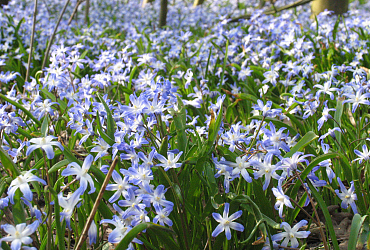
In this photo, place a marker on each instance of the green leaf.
(68, 154)
(164, 147)
(5, 246)
(18, 209)
(139, 228)
(110, 121)
(60, 230)
(214, 127)
(303, 142)
(357, 222)
(125, 90)
(24, 133)
(127, 96)
(59, 165)
(45, 126)
(179, 119)
(103, 135)
(335, 29)
(338, 118)
(19, 106)
(8, 164)
(258, 215)
(248, 97)
(324, 208)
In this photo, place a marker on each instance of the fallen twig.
(31, 45)
(96, 205)
(273, 11)
(46, 56)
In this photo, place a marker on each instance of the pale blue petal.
(31, 148)
(235, 215)
(228, 233)
(217, 217)
(27, 193)
(16, 244)
(70, 171)
(219, 229)
(236, 226)
(49, 151)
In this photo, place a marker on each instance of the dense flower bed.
(203, 134)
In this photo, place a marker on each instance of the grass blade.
(357, 222)
(324, 208)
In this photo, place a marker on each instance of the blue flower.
(325, 116)
(348, 197)
(291, 234)
(120, 231)
(266, 169)
(69, 203)
(34, 212)
(92, 233)
(121, 186)
(21, 182)
(171, 162)
(364, 155)
(101, 149)
(4, 202)
(46, 144)
(81, 173)
(357, 98)
(226, 222)
(281, 198)
(162, 215)
(19, 234)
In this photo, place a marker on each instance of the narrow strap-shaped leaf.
(103, 135)
(303, 142)
(127, 96)
(324, 208)
(110, 121)
(214, 127)
(139, 228)
(45, 126)
(59, 165)
(180, 123)
(18, 209)
(5, 246)
(338, 118)
(357, 222)
(60, 230)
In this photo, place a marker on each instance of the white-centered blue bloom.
(69, 203)
(364, 155)
(21, 182)
(46, 144)
(81, 173)
(281, 198)
(171, 162)
(19, 234)
(101, 149)
(348, 197)
(226, 222)
(291, 234)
